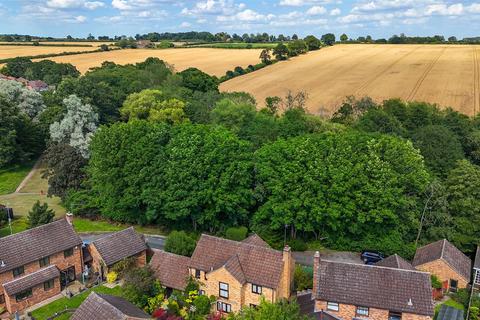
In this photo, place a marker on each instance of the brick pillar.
(316, 273)
(288, 269)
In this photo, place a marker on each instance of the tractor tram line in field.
(424, 75)
(366, 84)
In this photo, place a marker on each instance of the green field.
(64, 303)
(239, 45)
(11, 177)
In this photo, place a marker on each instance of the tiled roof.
(256, 240)
(446, 251)
(171, 269)
(31, 280)
(234, 266)
(476, 265)
(260, 265)
(395, 261)
(36, 243)
(106, 307)
(120, 245)
(376, 287)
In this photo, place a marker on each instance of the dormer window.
(256, 289)
(223, 290)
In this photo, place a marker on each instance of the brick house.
(106, 307)
(238, 273)
(37, 264)
(476, 269)
(108, 250)
(444, 260)
(353, 291)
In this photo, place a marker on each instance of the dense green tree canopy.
(197, 80)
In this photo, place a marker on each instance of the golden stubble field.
(212, 61)
(23, 51)
(443, 74)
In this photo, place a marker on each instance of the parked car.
(371, 256)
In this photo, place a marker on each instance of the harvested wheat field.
(23, 51)
(212, 61)
(444, 74)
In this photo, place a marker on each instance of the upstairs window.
(68, 253)
(2, 299)
(17, 272)
(394, 315)
(44, 262)
(333, 306)
(197, 273)
(256, 289)
(223, 290)
(362, 311)
(477, 277)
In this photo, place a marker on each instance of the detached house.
(108, 250)
(106, 307)
(444, 260)
(238, 273)
(38, 263)
(356, 291)
(476, 269)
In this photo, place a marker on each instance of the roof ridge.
(100, 295)
(241, 243)
(115, 233)
(35, 228)
(374, 266)
(443, 248)
(169, 253)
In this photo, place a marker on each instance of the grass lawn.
(87, 225)
(36, 184)
(11, 177)
(18, 225)
(22, 203)
(450, 303)
(73, 303)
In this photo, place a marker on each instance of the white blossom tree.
(28, 101)
(77, 126)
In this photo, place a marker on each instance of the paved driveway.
(306, 258)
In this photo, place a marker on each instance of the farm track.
(422, 78)
(476, 82)
(365, 85)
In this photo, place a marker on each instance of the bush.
(303, 278)
(436, 283)
(112, 276)
(40, 215)
(202, 305)
(250, 68)
(179, 242)
(239, 70)
(297, 245)
(249, 46)
(237, 234)
(165, 45)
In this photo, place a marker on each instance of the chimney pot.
(70, 218)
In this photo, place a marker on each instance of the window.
(23, 295)
(224, 307)
(18, 271)
(394, 315)
(223, 290)
(47, 285)
(477, 277)
(2, 299)
(44, 262)
(256, 289)
(453, 285)
(362, 311)
(332, 306)
(68, 253)
(197, 273)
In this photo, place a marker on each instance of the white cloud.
(316, 10)
(445, 10)
(74, 4)
(474, 8)
(121, 5)
(298, 3)
(80, 19)
(335, 12)
(92, 5)
(185, 24)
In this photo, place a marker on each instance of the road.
(303, 258)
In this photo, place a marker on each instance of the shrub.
(303, 278)
(123, 266)
(237, 234)
(40, 214)
(104, 47)
(165, 45)
(112, 276)
(239, 70)
(250, 68)
(297, 245)
(473, 315)
(179, 242)
(436, 283)
(202, 304)
(249, 46)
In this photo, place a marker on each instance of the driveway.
(306, 258)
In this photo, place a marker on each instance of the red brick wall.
(97, 261)
(57, 259)
(38, 295)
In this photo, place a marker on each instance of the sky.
(378, 18)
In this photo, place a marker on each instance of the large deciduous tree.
(341, 186)
(28, 101)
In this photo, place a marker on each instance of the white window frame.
(256, 289)
(333, 306)
(223, 290)
(224, 307)
(364, 313)
(477, 277)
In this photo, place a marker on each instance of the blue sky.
(379, 18)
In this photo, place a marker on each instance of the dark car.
(371, 256)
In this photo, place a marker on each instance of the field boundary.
(424, 75)
(53, 55)
(381, 73)
(476, 82)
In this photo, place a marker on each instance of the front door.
(67, 276)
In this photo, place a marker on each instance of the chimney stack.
(70, 218)
(289, 270)
(316, 273)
